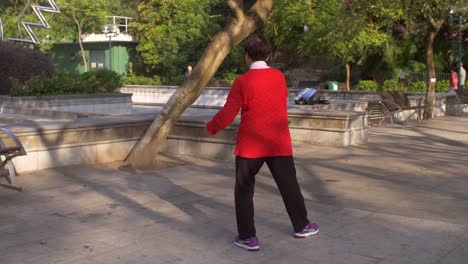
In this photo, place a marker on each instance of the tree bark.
(348, 76)
(79, 27)
(144, 154)
(431, 72)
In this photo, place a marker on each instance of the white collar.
(259, 65)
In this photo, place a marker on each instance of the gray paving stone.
(401, 199)
(70, 247)
(457, 255)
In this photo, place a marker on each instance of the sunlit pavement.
(403, 198)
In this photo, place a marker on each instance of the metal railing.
(422, 76)
(121, 22)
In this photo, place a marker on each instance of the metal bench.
(394, 102)
(7, 153)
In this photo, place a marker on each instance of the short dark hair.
(257, 47)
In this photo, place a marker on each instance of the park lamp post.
(110, 30)
(459, 63)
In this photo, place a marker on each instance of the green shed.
(98, 50)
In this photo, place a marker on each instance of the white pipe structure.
(53, 8)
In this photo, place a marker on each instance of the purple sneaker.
(251, 244)
(309, 230)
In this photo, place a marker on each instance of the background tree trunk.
(83, 55)
(431, 72)
(431, 76)
(348, 76)
(79, 27)
(243, 23)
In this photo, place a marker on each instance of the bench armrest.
(18, 144)
(383, 102)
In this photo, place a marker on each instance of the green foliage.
(286, 21)
(415, 66)
(385, 37)
(421, 87)
(224, 79)
(174, 33)
(442, 86)
(98, 82)
(417, 87)
(141, 80)
(392, 85)
(290, 79)
(9, 11)
(90, 15)
(21, 63)
(172, 79)
(327, 33)
(367, 85)
(102, 81)
(230, 77)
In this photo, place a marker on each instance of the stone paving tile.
(339, 218)
(43, 206)
(12, 260)
(71, 247)
(33, 235)
(79, 261)
(319, 256)
(368, 212)
(23, 252)
(392, 236)
(125, 255)
(457, 255)
(129, 237)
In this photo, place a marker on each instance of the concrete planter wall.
(215, 97)
(99, 139)
(104, 139)
(64, 102)
(144, 94)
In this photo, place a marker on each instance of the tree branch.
(432, 21)
(237, 7)
(260, 11)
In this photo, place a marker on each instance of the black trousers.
(284, 173)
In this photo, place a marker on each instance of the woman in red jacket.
(453, 83)
(263, 137)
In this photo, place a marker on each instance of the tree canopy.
(331, 27)
(174, 33)
(382, 36)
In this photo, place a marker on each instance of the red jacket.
(261, 95)
(454, 80)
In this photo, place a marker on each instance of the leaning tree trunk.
(242, 25)
(431, 73)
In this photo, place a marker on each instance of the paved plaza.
(401, 199)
